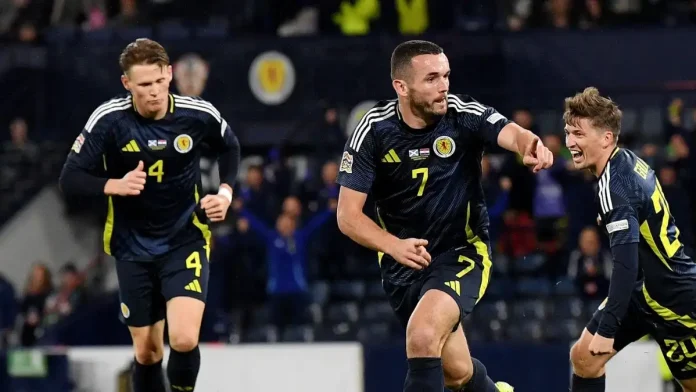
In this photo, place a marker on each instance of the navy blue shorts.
(463, 274)
(145, 287)
(675, 335)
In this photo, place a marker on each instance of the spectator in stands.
(256, 194)
(19, 143)
(8, 310)
(497, 191)
(39, 287)
(590, 266)
(549, 204)
(191, 75)
(70, 296)
(286, 257)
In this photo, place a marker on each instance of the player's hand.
(215, 207)
(411, 252)
(601, 345)
(130, 185)
(537, 156)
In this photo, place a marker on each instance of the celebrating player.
(653, 284)
(420, 156)
(143, 152)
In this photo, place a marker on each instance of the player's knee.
(423, 341)
(148, 353)
(183, 342)
(459, 375)
(584, 364)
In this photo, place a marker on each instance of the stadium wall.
(40, 232)
(342, 367)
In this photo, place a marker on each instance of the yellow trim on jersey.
(205, 230)
(109, 224)
(667, 314)
(482, 250)
(616, 151)
(647, 235)
(380, 255)
(171, 103)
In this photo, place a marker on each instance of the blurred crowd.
(25, 20)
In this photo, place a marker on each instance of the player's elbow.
(344, 218)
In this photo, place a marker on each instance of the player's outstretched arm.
(353, 222)
(522, 141)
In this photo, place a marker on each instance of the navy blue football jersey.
(166, 215)
(425, 183)
(633, 209)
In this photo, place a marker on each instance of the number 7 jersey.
(426, 183)
(633, 209)
(166, 215)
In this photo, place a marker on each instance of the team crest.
(444, 146)
(183, 143)
(272, 77)
(124, 310)
(346, 163)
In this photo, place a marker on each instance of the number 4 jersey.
(166, 215)
(426, 183)
(633, 209)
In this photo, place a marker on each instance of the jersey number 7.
(415, 173)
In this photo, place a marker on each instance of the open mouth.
(576, 155)
(441, 100)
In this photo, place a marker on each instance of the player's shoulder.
(383, 116)
(462, 104)
(109, 111)
(627, 174)
(625, 166)
(196, 107)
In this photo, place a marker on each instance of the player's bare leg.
(184, 317)
(148, 344)
(688, 385)
(427, 334)
(462, 372)
(588, 369)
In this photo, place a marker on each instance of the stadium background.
(292, 78)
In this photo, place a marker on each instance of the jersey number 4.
(417, 172)
(156, 170)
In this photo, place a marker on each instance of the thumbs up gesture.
(130, 185)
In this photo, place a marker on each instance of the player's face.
(586, 143)
(429, 84)
(149, 85)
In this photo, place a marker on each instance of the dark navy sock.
(580, 384)
(480, 382)
(182, 369)
(148, 378)
(424, 375)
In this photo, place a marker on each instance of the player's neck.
(602, 162)
(152, 116)
(413, 120)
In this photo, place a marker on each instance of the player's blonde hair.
(602, 112)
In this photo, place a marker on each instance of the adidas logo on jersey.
(391, 157)
(132, 146)
(194, 286)
(454, 285)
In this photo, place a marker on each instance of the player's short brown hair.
(404, 52)
(602, 112)
(143, 51)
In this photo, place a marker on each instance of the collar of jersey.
(613, 154)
